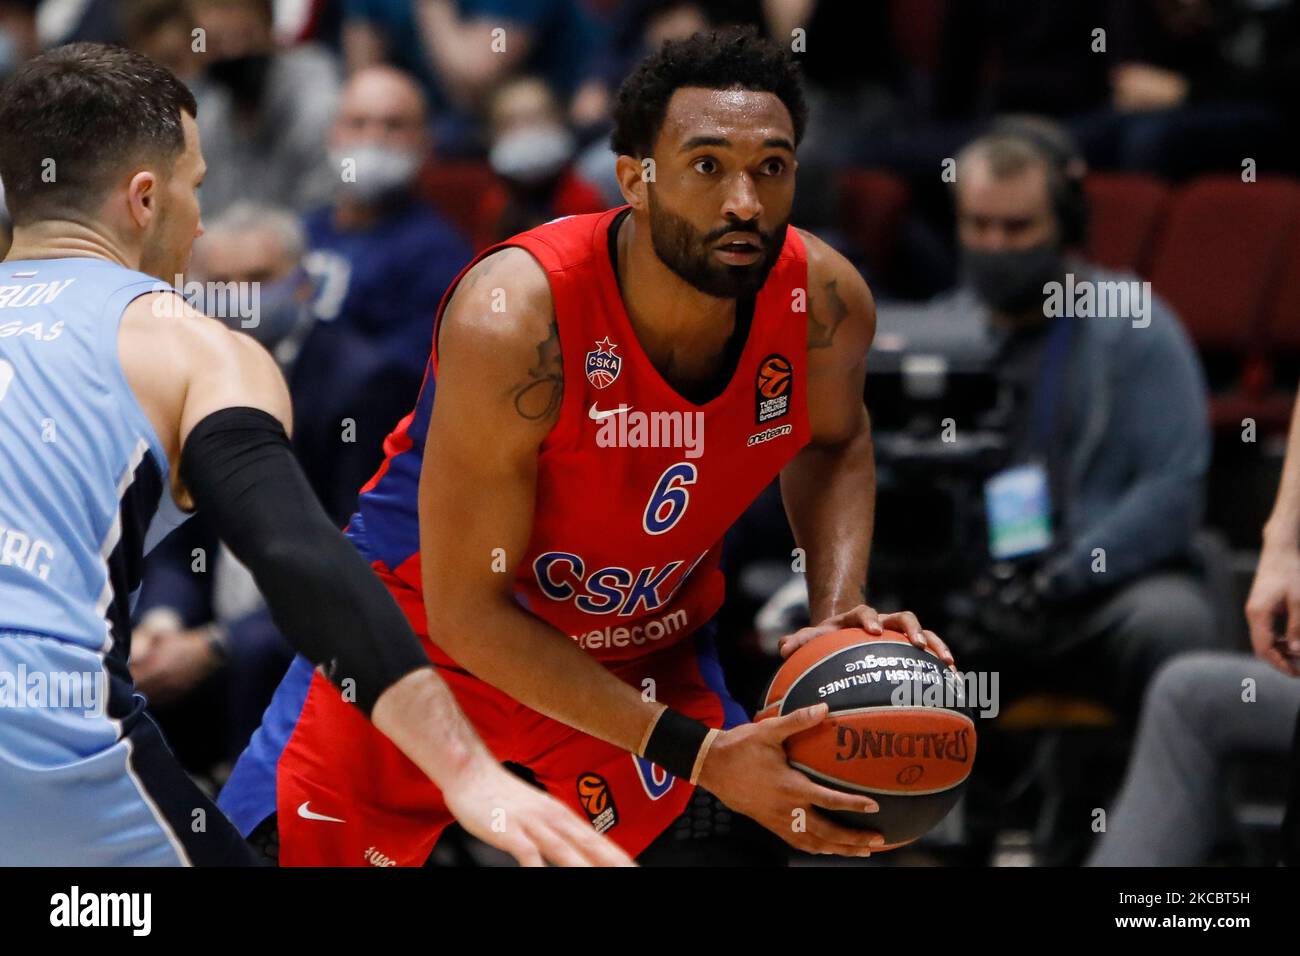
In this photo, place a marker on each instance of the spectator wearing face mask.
(263, 110)
(532, 154)
(380, 255)
(339, 380)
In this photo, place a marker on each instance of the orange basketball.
(898, 729)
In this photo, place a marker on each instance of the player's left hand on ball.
(872, 622)
(530, 825)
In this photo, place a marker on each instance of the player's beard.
(689, 253)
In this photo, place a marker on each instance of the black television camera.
(941, 418)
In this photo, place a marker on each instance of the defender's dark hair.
(717, 60)
(78, 115)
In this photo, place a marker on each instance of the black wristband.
(675, 743)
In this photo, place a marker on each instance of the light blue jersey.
(85, 776)
(84, 489)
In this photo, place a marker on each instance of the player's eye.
(773, 167)
(705, 165)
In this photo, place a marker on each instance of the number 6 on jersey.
(668, 501)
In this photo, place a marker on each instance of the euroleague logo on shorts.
(603, 365)
(597, 801)
(772, 388)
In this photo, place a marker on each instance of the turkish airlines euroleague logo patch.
(597, 801)
(772, 388)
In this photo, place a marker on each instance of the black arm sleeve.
(238, 465)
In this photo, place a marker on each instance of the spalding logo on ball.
(898, 728)
(603, 365)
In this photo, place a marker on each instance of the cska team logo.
(602, 364)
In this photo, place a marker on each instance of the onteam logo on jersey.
(603, 365)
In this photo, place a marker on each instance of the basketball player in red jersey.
(612, 391)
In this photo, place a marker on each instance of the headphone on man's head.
(1067, 169)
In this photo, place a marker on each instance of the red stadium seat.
(1273, 397)
(1221, 256)
(1220, 263)
(872, 205)
(1283, 329)
(1270, 411)
(1125, 213)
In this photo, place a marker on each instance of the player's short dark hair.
(722, 59)
(78, 115)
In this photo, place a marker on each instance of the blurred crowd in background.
(360, 152)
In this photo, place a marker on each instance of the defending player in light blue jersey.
(121, 409)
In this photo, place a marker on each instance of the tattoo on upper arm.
(822, 330)
(538, 398)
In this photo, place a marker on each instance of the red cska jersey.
(636, 485)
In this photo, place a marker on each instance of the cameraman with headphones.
(1090, 524)
(1088, 584)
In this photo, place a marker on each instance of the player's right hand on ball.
(533, 827)
(747, 769)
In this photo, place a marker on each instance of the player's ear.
(634, 178)
(142, 197)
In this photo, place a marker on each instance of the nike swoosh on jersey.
(308, 814)
(595, 414)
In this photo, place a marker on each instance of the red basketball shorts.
(346, 796)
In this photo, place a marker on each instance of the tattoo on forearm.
(822, 330)
(539, 397)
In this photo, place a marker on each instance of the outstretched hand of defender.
(748, 770)
(419, 715)
(534, 828)
(873, 623)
